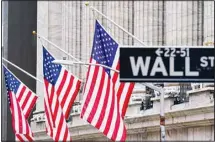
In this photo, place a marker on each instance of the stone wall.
(192, 120)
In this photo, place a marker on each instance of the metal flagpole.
(17, 78)
(162, 116)
(27, 73)
(66, 62)
(39, 36)
(94, 9)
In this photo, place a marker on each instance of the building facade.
(70, 25)
(188, 121)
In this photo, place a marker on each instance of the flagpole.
(94, 9)
(78, 61)
(162, 116)
(17, 78)
(39, 36)
(27, 73)
(67, 62)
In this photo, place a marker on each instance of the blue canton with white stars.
(51, 70)
(12, 84)
(104, 47)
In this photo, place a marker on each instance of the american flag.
(105, 98)
(21, 101)
(61, 90)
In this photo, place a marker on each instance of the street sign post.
(167, 64)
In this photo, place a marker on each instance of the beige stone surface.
(70, 25)
(184, 121)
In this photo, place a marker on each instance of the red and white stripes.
(26, 98)
(56, 125)
(67, 87)
(19, 122)
(106, 101)
(123, 90)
